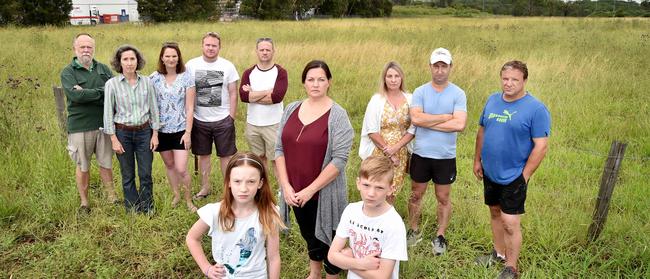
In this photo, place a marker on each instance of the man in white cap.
(439, 111)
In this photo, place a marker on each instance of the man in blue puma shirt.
(511, 143)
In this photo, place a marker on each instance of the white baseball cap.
(440, 54)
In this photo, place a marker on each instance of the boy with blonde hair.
(372, 228)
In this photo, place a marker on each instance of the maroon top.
(279, 89)
(304, 149)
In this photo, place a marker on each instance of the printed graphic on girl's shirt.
(246, 246)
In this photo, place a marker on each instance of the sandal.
(175, 201)
(199, 197)
(84, 209)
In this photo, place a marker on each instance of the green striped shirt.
(129, 105)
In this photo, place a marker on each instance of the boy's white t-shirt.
(211, 82)
(385, 233)
(242, 251)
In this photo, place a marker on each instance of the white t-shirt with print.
(242, 251)
(211, 80)
(385, 233)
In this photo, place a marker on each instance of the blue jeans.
(136, 147)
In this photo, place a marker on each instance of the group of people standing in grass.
(192, 106)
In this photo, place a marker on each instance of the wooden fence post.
(59, 98)
(607, 182)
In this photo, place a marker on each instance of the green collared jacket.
(86, 106)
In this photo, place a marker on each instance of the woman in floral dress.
(387, 128)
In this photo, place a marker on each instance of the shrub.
(35, 12)
(177, 10)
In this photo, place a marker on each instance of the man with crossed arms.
(263, 87)
(83, 83)
(438, 111)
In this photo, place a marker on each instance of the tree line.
(581, 8)
(56, 12)
(34, 12)
(298, 9)
(160, 11)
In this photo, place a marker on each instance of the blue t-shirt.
(171, 100)
(509, 131)
(431, 143)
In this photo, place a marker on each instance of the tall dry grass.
(591, 73)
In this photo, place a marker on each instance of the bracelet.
(207, 271)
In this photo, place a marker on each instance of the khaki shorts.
(82, 145)
(261, 139)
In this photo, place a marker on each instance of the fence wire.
(598, 153)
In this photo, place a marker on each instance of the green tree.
(267, 9)
(335, 8)
(371, 8)
(9, 11)
(519, 7)
(645, 5)
(155, 11)
(249, 8)
(442, 3)
(177, 10)
(387, 8)
(42, 12)
(195, 10)
(279, 9)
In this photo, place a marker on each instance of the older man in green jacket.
(83, 82)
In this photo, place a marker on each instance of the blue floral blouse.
(171, 100)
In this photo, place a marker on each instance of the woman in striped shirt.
(132, 121)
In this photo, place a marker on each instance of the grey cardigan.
(333, 198)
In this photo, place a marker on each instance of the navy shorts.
(510, 197)
(170, 141)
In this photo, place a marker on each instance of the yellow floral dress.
(394, 125)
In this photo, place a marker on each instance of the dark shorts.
(171, 141)
(317, 250)
(510, 197)
(440, 171)
(221, 133)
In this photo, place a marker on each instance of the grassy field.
(591, 73)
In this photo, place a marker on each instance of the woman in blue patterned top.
(175, 94)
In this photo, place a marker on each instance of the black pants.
(306, 218)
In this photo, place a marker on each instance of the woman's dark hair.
(115, 62)
(180, 66)
(316, 64)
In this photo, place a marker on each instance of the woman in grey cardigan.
(314, 140)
